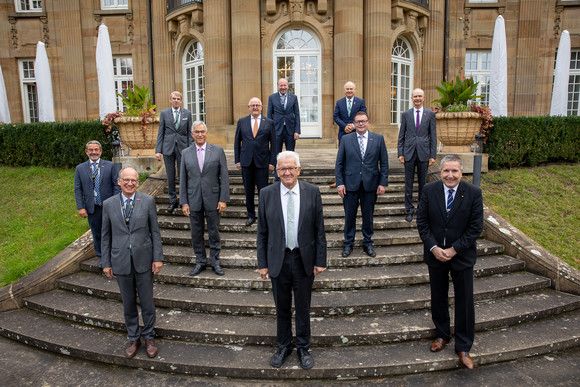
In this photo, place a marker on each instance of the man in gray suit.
(132, 251)
(204, 191)
(417, 147)
(95, 182)
(172, 138)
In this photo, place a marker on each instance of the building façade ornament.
(558, 21)
(45, 34)
(466, 22)
(13, 32)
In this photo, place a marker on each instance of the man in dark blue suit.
(449, 220)
(417, 146)
(362, 171)
(254, 153)
(95, 181)
(346, 108)
(284, 111)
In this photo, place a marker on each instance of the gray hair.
(452, 158)
(346, 83)
(197, 123)
(250, 101)
(418, 89)
(93, 142)
(120, 176)
(177, 93)
(288, 155)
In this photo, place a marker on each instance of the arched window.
(193, 80)
(297, 58)
(401, 78)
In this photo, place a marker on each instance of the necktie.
(283, 100)
(417, 121)
(200, 158)
(349, 107)
(255, 127)
(290, 221)
(449, 200)
(97, 184)
(127, 211)
(361, 143)
(176, 113)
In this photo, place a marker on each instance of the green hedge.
(51, 144)
(529, 141)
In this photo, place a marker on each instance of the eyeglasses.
(360, 122)
(255, 105)
(284, 170)
(134, 181)
(198, 131)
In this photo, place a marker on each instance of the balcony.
(175, 4)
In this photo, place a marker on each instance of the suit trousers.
(130, 286)
(367, 205)
(170, 170)
(464, 306)
(252, 177)
(285, 138)
(292, 277)
(212, 218)
(95, 223)
(422, 168)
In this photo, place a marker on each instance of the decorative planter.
(134, 136)
(458, 128)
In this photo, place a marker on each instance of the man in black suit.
(254, 153)
(291, 251)
(172, 138)
(417, 146)
(95, 182)
(450, 219)
(284, 111)
(362, 171)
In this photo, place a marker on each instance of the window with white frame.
(401, 78)
(123, 77)
(574, 84)
(28, 90)
(28, 5)
(478, 66)
(482, 1)
(114, 4)
(194, 80)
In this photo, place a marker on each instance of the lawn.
(542, 202)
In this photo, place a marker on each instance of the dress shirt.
(124, 202)
(284, 197)
(445, 193)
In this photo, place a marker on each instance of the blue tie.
(97, 184)
(449, 200)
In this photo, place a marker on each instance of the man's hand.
(318, 270)
(431, 161)
(270, 167)
(341, 190)
(156, 267)
(381, 189)
(263, 273)
(402, 160)
(83, 213)
(158, 156)
(296, 136)
(185, 209)
(239, 166)
(108, 271)
(450, 252)
(348, 128)
(440, 254)
(221, 207)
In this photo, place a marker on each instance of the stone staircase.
(370, 316)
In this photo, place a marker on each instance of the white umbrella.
(561, 77)
(4, 110)
(107, 96)
(43, 85)
(498, 70)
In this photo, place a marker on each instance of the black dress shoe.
(197, 269)
(172, 207)
(346, 251)
(409, 216)
(280, 356)
(250, 221)
(306, 360)
(217, 269)
(370, 251)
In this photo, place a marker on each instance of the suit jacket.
(168, 136)
(424, 141)
(460, 229)
(271, 238)
(341, 116)
(351, 169)
(141, 240)
(211, 185)
(289, 116)
(84, 191)
(261, 149)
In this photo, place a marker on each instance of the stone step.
(252, 362)
(332, 279)
(324, 302)
(331, 331)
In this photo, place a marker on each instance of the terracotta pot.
(458, 128)
(134, 136)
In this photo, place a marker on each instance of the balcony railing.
(422, 3)
(174, 4)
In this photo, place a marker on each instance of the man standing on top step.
(450, 219)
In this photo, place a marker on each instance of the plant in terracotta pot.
(458, 122)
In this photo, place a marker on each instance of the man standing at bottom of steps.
(449, 220)
(289, 255)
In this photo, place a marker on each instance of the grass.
(39, 218)
(544, 203)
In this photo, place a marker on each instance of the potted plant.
(137, 125)
(458, 122)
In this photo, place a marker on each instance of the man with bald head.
(284, 111)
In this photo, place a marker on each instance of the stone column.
(218, 62)
(348, 46)
(246, 55)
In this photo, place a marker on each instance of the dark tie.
(97, 184)
(283, 100)
(127, 211)
(417, 122)
(176, 113)
(361, 142)
(449, 200)
(349, 107)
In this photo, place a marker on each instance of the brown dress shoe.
(438, 345)
(333, 185)
(465, 359)
(151, 348)
(131, 350)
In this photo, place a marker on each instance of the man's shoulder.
(433, 185)
(143, 196)
(213, 147)
(83, 164)
(113, 198)
(468, 186)
(375, 135)
(308, 186)
(357, 99)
